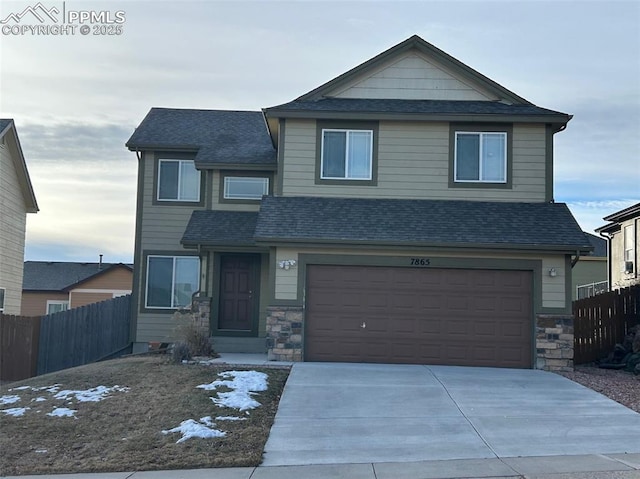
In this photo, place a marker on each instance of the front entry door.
(239, 292)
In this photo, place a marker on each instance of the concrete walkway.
(333, 413)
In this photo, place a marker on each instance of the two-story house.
(623, 235)
(402, 212)
(16, 200)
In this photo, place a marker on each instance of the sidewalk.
(613, 466)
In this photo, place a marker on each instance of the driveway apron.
(332, 413)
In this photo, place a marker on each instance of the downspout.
(609, 277)
(575, 260)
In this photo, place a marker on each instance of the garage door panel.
(419, 315)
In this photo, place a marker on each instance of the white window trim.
(180, 162)
(57, 301)
(480, 134)
(173, 279)
(227, 180)
(629, 243)
(4, 299)
(346, 166)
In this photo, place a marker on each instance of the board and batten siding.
(553, 291)
(411, 77)
(413, 163)
(13, 219)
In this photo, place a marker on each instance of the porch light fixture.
(553, 273)
(287, 264)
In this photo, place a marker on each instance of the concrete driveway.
(332, 413)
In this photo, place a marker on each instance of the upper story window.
(1, 300)
(347, 154)
(245, 187)
(481, 157)
(178, 180)
(629, 249)
(171, 281)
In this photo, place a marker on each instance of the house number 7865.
(420, 261)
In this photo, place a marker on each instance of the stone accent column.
(201, 314)
(554, 342)
(284, 333)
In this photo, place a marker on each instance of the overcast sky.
(77, 98)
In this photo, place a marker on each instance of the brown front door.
(238, 292)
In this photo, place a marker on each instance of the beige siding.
(620, 279)
(83, 299)
(411, 77)
(413, 162)
(12, 233)
(35, 304)
(553, 289)
(117, 279)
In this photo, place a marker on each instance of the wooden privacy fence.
(65, 339)
(602, 321)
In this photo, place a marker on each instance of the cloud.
(590, 213)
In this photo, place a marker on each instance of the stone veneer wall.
(201, 314)
(284, 333)
(554, 342)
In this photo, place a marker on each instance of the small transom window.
(245, 188)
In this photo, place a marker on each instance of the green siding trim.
(548, 171)
(374, 126)
(137, 251)
(475, 127)
(280, 167)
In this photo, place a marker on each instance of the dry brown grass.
(123, 432)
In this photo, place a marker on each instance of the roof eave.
(442, 117)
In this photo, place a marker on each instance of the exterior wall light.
(287, 264)
(553, 273)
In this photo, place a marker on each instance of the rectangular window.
(245, 188)
(480, 157)
(347, 154)
(178, 180)
(56, 306)
(1, 300)
(629, 243)
(171, 281)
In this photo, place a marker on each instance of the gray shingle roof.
(218, 136)
(212, 227)
(4, 123)
(599, 245)
(420, 222)
(414, 107)
(58, 276)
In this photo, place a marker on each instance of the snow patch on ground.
(15, 411)
(96, 394)
(243, 385)
(39, 399)
(9, 399)
(192, 429)
(230, 418)
(62, 412)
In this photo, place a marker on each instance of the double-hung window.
(346, 154)
(629, 248)
(178, 180)
(171, 281)
(480, 157)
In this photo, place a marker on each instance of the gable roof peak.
(433, 53)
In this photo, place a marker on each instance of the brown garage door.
(425, 316)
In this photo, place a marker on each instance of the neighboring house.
(16, 200)
(50, 287)
(623, 236)
(589, 276)
(402, 212)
